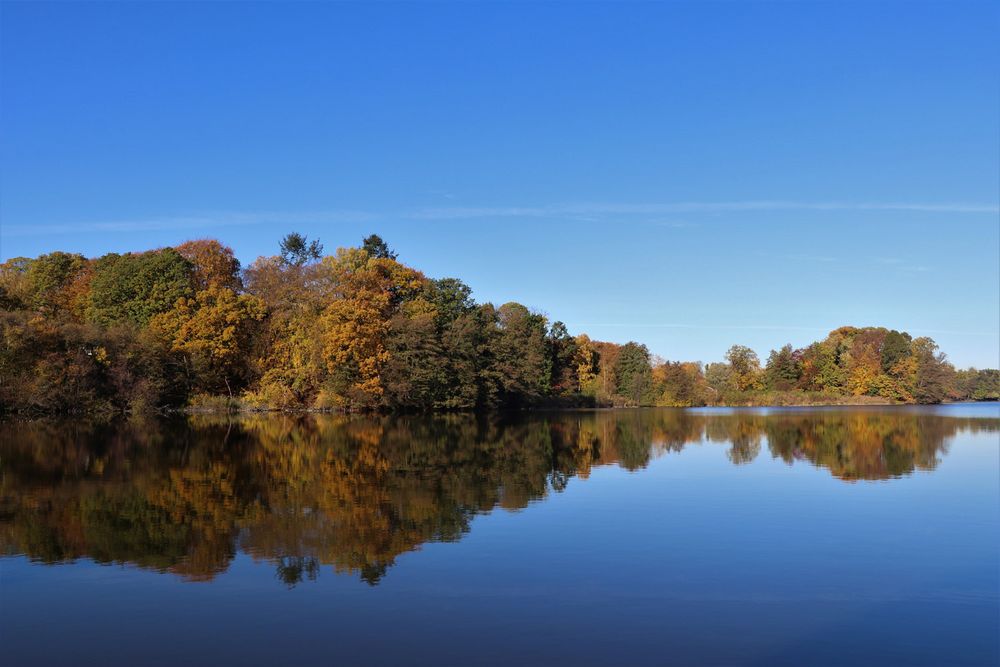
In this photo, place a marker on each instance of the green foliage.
(297, 250)
(745, 366)
(784, 368)
(895, 347)
(633, 373)
(132, 288)
(520, 354)
(978, 385)
(377, 248)
(49, 278)
(451, 298)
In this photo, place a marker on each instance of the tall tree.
(520, 354)
(633, 373)
(377, 248)
(562, 354)
(934, 375)
(297, 249)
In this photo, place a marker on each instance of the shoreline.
(213, 411)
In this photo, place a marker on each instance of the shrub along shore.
(188, 328)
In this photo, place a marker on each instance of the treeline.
(359, 330)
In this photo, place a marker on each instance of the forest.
(188, 327)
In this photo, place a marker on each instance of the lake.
(837, 536)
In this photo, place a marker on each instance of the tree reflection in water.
(183, 496)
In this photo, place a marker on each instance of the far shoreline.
(243, 411)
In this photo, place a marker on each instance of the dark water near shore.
(842, 536)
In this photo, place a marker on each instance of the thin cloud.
(764, 327)
(582, 212)
(826, 259)
(603, 209)
(182, 222)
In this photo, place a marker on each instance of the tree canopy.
(360, 330)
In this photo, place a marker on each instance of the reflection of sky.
(692, 558)
(978, 410)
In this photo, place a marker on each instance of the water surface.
(860, 536)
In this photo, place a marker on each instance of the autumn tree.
(680, 384)
(355, 324)
(211, 331)
(934, 377)
(213, 264)
(587, 362)
(745, 367)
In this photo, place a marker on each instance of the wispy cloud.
(606, 209)
(193, 222)
(798, 257)
(655, 214)
(897, 264)
(761, 327)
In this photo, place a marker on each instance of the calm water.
(705, 537)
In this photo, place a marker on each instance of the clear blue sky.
(689, 175)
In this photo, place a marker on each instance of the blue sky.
(689, 175)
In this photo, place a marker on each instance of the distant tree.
(298, 250)
(415, 374)
(681, 384)
(562, 354)
(985, 386)
(451, 298)
(934, 375)
(633, 373)
(519, 354)
(784, 368)
(719, 377)
(14, 291)
(895, 346)
(214, 264)
(587, 361)
(863, 361)
(135, 287)
(211, 332)
(59, 281)
(377, 248)
(745, 367)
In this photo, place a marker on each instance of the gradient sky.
(689, 175)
